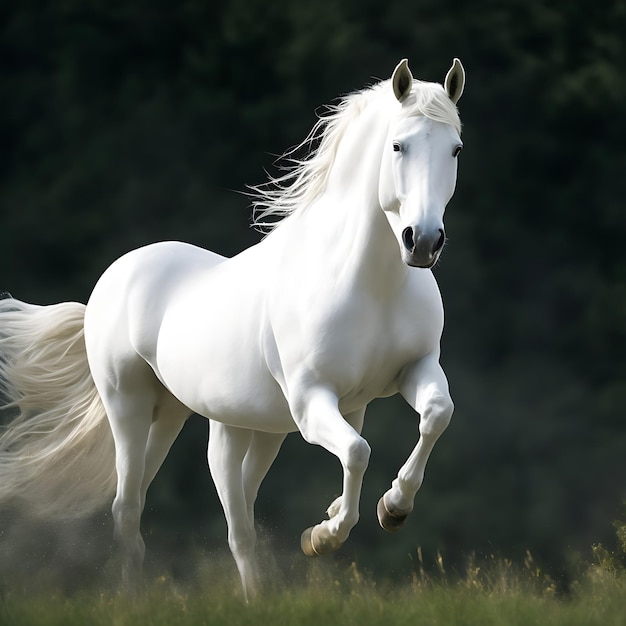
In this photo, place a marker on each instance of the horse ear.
(402, 80)
(455, 81)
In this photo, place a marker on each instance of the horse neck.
(348, 218)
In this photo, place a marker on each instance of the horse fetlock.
(333, 509)
(390, 518)
(249, 581)
(318, 540)
(132, 571)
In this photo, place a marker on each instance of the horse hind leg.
(227, 450)
(130, 418)
(262, 452)
(169, 418)
(144, 425)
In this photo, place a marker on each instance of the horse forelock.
(305, 179)
(432, 101)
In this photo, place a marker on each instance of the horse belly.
(212, 362)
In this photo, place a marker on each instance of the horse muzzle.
(422, 248)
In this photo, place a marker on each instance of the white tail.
(57, 455)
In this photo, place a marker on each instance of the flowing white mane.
(305, 179)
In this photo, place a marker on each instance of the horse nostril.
(440, 241)
(407, 239)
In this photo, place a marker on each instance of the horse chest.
(359, 348)
(368, 352)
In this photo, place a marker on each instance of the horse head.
(419, 165)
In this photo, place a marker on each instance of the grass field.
(496, 592)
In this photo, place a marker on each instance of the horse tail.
(57, 455)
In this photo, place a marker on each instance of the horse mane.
(304, 180)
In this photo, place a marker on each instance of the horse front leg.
(321, 423)
(425, 387)
(355, 420)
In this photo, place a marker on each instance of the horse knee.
(437, 417)
(358, 456)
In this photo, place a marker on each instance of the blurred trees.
(124, 123)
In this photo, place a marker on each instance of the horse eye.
(397, 146)
(457, 151)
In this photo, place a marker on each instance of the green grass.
(497, 593)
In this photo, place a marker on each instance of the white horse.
(335, 307)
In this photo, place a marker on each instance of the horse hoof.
(316, 541)
(390, 521)
(306, 542)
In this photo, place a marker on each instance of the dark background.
(128, 122)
